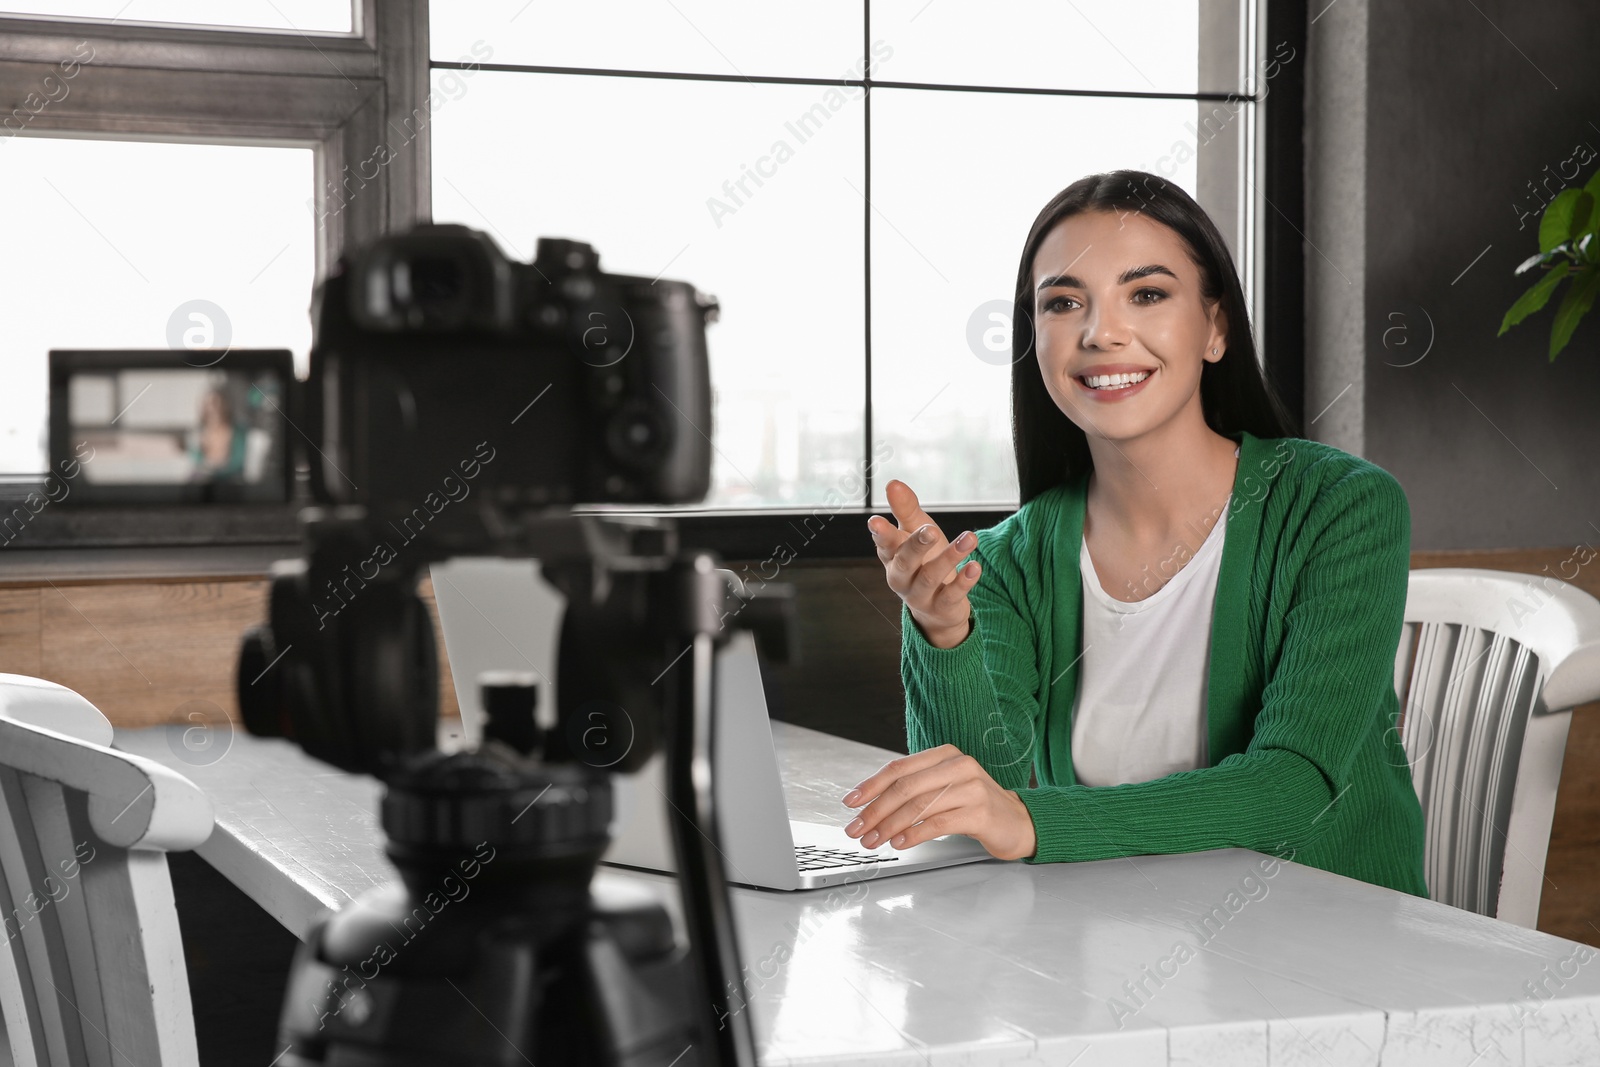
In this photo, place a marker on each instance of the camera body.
(441, 370)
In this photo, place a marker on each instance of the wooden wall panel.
(19, 631)
(145, 652)
(449, 707)
(1570, 904)
(142, 652)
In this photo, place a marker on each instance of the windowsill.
(241, 541)
(68, 527)
(33, 567)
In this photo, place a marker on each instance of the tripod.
(495, 947)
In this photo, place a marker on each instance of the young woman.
(1184, 638)
(218, 446)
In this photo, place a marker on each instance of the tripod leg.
(708, 911)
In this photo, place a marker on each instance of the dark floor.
(238, 958)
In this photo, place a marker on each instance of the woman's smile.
(1108, 385)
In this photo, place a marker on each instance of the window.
(853, 183)
(862, 244)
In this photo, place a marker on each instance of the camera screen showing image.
(152, 427)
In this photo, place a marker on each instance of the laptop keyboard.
(815, 858)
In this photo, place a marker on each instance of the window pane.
(132, 244)
(819, 39)
(1104, 45)
(760, 207)
(307, 16)
(946, 235)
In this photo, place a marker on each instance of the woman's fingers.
(939, 570)
(920, 566)
(885, 538)
(893, 826)
(950, 795)
(904, 787)
(925, 578)
(957, 584)
(907, 512)
(907, 508)
(884, 776)
(936, 792)
(920, 546)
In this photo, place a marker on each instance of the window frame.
(342, 95)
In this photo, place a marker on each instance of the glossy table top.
(1226, 957)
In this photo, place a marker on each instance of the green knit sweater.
(1306, 763)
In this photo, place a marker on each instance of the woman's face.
(1117, 293)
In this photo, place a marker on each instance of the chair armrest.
(133, 802)
(1576, 679)
(54, 707)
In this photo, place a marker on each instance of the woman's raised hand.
(920, 566)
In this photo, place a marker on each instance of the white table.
(1012, 963)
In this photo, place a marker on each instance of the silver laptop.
(499, 614)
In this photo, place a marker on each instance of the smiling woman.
(1243, 698)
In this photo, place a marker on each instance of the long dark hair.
(1234, 393)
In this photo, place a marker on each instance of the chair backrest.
(92, 970)
(1489, 668)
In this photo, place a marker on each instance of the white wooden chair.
(1489, 668)
(92, 971)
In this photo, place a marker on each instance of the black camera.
(441, 369)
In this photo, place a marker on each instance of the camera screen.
(143, 431)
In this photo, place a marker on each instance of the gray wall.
(1425, 123)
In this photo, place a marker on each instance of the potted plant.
(1568, 248)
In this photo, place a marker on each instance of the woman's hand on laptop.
(935, 792)
(920, 566)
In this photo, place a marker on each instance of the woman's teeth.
(1115, 381)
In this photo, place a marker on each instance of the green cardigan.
(1306, 760)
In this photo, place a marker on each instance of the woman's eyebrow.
(1135, 273)
(1132, 274)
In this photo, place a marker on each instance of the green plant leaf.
(1556, 225)
(1573, 307)
(1592, 186)
(1533, 299)
(1591, 189)
(1583, 214)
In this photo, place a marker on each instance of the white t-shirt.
(1140, 708)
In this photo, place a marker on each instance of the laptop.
(499, 614)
